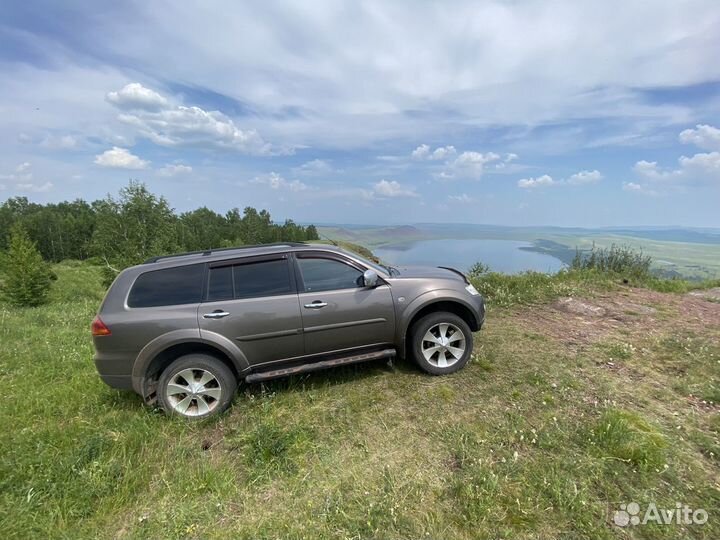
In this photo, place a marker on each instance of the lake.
(501, 255)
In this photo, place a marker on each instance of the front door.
(253, 302)
(338, 312)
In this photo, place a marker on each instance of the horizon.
(565, 114)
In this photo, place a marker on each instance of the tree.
(26, 276)
(311, 233)
(137, 225)
(132, 228)
(202, 229)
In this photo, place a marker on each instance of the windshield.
(375, 266)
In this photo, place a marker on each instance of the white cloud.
(315, 167)
(634, 187)
(696, 168)
(23, 179)
(441, 152)
(174, 169)
(468, 165)
(585, 177)
(275, 181)
(475, 77)
(120, 158)
(34, 188)
(421, 152)
(171, 126)
(702, 164)
(59, 142)
(544, 180)
(580, 178)
(704, 136)
(136, 96)
(462, 198)
(391, 189)
(650, 170)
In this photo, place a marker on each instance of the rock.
(708, 294)
(571, 305)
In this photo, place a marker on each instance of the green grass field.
(541, 436)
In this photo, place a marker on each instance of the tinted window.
(265, 278)
(262, 278)
(168, 287)
(220, 284)
(327, 275)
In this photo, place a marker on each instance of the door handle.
(216, 315)
(317, 304)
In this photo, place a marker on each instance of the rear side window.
(249, 280)
(168, 287)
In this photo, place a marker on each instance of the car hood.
(428, 272)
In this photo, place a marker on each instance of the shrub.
(615, 259)
(26, 276)
(478, 269)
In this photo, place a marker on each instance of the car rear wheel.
(441, 343)
(196, 386)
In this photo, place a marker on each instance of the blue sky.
(518, 113)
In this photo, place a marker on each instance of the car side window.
(249, 280)
(220, 284)
(320, 274)
(167, 287)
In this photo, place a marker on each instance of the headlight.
(472, 290)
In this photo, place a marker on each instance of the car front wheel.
(196, 386)
(441, 343)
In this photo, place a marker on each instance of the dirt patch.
(703, 405)
(628, 313)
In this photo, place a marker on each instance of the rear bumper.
(120, 382)
(115, 372)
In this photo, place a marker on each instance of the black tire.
(208, 395)
(434, 365)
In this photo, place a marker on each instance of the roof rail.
(207, 252)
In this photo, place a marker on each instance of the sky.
(565, 113)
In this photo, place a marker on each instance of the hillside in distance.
(688, 252)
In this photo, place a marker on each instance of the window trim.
(337, 257)
(237, 261)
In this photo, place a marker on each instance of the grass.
(531, 440)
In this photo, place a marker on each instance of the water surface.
(501, 255)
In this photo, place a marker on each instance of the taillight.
(99, 328)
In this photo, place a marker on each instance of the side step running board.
(317, 366)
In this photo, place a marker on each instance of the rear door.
(338, 312)
(254, 303)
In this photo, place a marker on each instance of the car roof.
(211, 255)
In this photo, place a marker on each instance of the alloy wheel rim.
(193, 392)
(443, 345)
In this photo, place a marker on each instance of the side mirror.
(370, 278)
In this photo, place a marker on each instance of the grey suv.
(183, 329)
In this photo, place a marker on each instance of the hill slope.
(570, 406)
